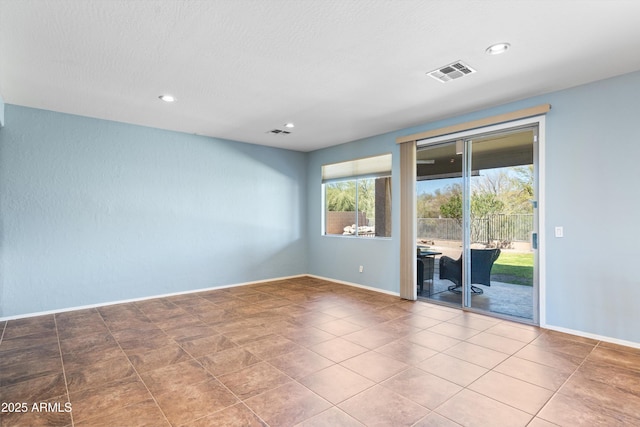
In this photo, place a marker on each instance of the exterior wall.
(337, 221)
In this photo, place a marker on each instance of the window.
(357, 197)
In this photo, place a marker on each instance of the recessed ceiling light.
(289, 125)
(167, 98)
(497, 48)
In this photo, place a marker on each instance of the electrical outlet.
(361, 269)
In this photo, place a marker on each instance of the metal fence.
(502, 227)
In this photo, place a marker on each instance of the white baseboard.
(592, 336)
(342, 282)
(550, 327)
(105, 304)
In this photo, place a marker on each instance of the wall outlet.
(361, 269)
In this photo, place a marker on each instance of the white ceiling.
(339, 69)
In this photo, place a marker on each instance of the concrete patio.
(502, 298)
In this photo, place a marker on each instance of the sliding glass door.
(477, 222)
(439, 217)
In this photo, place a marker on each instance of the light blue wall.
(94, 211)
(1, 112)
(592, 151)
(337, 257)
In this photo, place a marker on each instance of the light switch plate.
(559, 232)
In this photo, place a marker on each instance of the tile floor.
(306, 352)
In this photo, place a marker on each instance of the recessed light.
(289, 125)
(497, 48)
(167, 98)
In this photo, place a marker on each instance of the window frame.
(375, 167)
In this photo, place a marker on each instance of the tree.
(367, 197)
(482, 204)
(452, 208)
(522, 189)
(498, 191)
(341, 196)
(485, 204)
(428, 204)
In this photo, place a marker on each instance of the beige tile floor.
(306, 352)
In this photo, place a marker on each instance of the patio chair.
(481, 263)
(425, 273)
(420, 283)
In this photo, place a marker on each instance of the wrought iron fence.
(501, 227)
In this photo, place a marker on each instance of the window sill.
(346, 236)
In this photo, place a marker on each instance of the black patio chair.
(420, 283)
(481, 263)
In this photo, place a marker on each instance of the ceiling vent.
(279, 132)
(451, 72)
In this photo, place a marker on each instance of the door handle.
(534, 240)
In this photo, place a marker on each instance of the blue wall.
(94, 211)
(593, 153)
(592, 149)
(338, 257)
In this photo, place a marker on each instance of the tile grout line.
(64, 373)
(489, 370)
(555, 393)
(293, 380)
(534, 416)
(434, 410)
(223, 385)
(149, 312)
(333, 405)
(202, 366)
(481, 376)
(132, 366)
(226, 388)
(375, 383)
(463, 388)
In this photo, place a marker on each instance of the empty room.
(319, 213)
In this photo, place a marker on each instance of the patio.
(500, 297)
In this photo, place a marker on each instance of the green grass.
(516, 268)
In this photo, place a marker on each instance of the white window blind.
(368, 166)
